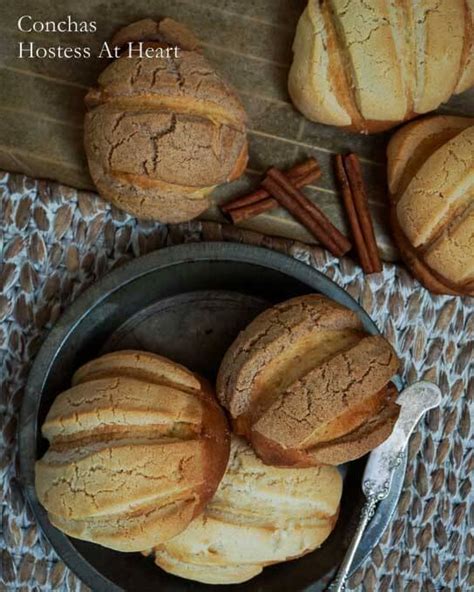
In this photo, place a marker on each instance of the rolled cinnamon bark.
(306, 212)
(259, 201)
(349, 175)
(352, 215)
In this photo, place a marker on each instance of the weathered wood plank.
(41, 100)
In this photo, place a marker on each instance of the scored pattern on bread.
(271, 344)
(135, 364)
(160, 134)
(137, 447)
(431, 179)
(306, 385)
(332, 400)
(259, 515)
(442, 188)
(369, 65)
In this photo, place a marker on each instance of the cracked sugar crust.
(138, 446)
(431, 177)
(144, 472)
(119, 403)
(442, 185)
(269, 336)
(160, 201)
(133, 531)
(367, 66)
(181, 149)
(413, 143)
(260, 515)
(275, 494)
(189, 80)
(303, 374)
(161, 134)
(144, 366)
(332, 399)
(351, 446)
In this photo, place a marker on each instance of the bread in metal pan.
(306, 385)
(259, 515)
(138, 445)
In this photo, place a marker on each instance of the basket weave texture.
(57, 241)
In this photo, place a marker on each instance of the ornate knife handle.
(368, 510)
(414, 401)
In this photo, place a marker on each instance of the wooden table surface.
(249, 41)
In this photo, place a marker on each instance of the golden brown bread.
(160, 134)
(259, 515)
(306, 385)
(370, 65)
(431, 181)
(138, 446)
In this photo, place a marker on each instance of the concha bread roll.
(259, 515)
(161, 133)
(138, 446)
(368, 66)
(306, 385)
(431, 181)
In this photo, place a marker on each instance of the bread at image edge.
(431, 182)
(376, 64)
(138, 446)
(306, 385)
(160, 134)
(259, 515)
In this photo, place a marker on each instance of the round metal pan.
(188, 303)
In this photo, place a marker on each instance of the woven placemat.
(57, 241)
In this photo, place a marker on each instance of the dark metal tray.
(186, 302)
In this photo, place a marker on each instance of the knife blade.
(414, 401)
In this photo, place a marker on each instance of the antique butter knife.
(383, 460)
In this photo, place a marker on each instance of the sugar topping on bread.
(306, 385)
(138, 445)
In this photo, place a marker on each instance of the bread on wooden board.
(431, 182)
(259, 515)
(306, 385)
(161, 133)
(138, 446)
(367, 66)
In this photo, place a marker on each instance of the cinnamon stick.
(359, 194)
(352, 215)
(306, 212)
(349, 175)
(251, 210)
(260, 201)
(262, 194)
(253, 207)
(245, 200)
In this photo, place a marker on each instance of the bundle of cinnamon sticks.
(283, 189)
